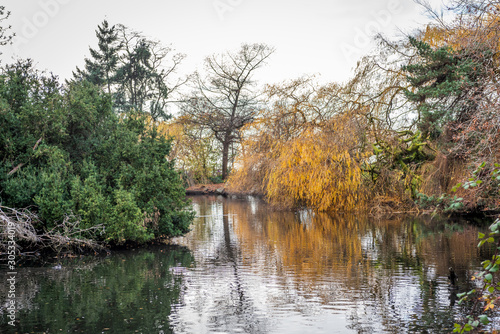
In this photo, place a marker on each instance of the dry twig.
(68, 235)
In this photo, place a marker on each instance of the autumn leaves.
(302, 151)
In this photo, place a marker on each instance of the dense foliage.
(64, 152)
(443, 84)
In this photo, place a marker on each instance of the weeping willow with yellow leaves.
(317, 170)
(302, 152)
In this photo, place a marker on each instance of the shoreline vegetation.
(224, 189)
(19, 225)
(70, 238)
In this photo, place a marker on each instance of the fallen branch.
(66, 236)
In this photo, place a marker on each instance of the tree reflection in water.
(129, 292)
(245, 268)
(260, 270)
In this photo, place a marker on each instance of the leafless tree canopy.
(224, 99)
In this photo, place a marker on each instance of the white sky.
(325, 37)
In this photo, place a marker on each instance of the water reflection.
(245, 268)
(130, 292)
(262, 271)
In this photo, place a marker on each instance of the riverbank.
(207, 189)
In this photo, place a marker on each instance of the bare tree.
(224, 100)
(5, 38)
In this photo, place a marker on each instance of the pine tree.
(134, 74)
(138, 72)
(100, 69)
(444, 84)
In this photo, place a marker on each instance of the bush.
(66, 152)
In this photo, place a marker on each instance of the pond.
(245, 268)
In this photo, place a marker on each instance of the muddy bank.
(207, 189)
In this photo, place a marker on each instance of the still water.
(245, 268)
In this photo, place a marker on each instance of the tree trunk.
(225, 158)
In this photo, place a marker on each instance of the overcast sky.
(325, 37)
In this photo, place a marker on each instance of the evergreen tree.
(136, 70)
(100, 69)
(133, 76)
(64, 153)
(144, 76)
(444, 85)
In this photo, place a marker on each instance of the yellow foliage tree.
(195, 151)
(303, 151)
(320, 169)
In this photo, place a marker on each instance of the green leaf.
(481, 235)
(488, 277)
(484, 319)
